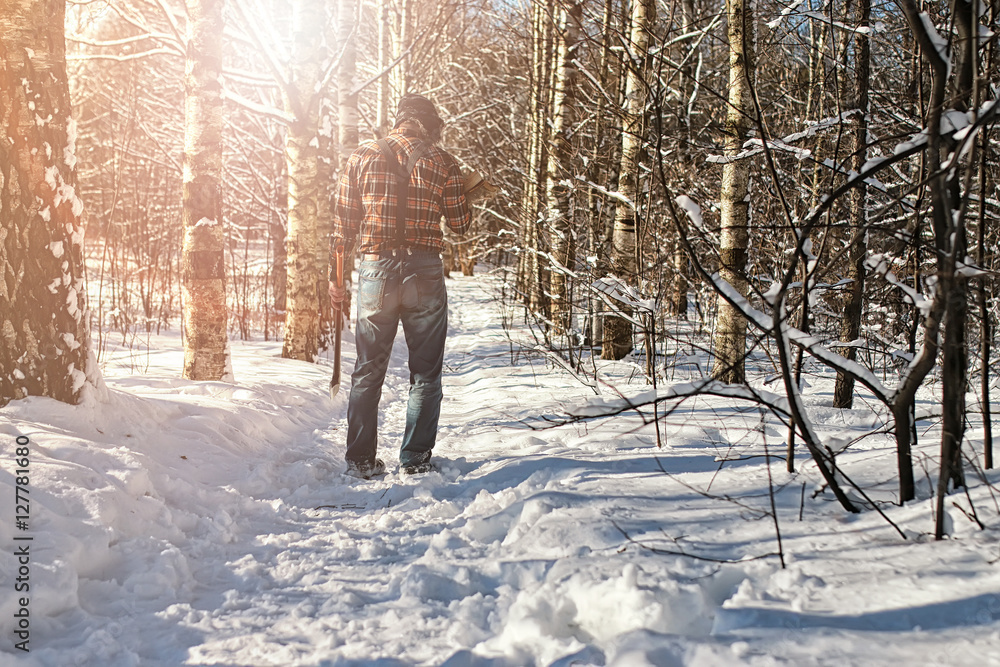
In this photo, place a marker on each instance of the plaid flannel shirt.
(365, 204)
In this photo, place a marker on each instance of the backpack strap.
(402, 183)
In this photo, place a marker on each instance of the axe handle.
(338, 322)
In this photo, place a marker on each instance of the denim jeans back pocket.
(431, 289)
(371, 290)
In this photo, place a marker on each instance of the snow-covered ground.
(185, 523)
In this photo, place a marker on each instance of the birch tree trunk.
(602, 170)
(382, 119)
(402, 39)
(347, 135)
(327, 166)
(617, 330)
(302, 157)
(532, 278)
(206, 341)
(559, 171)
(843, 393)
(729, 340)
(347, 116)
(45, 348)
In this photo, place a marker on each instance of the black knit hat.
(420, 109)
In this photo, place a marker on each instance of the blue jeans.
(410, 288)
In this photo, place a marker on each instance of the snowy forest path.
(177, 523)
(519, 545)
(354, 557)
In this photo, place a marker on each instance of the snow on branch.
(611, 290)
(965, 130)
(616, 196)
(902, 151)
(786, 12)
(755, 146)
(388, 68)
(262, 109)
(808, 342)
(179, 33)
(693, 212)
(618, 289)
(931, 43)
(125, 41)
(163, 51)
(940, 43)
(248, 78)
(880, 263)
(840, 25)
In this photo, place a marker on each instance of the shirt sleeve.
(455, 207)
(348, 207)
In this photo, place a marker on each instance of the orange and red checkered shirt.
(365, 203)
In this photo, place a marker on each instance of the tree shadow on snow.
(977, 610)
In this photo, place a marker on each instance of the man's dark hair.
(419, 109)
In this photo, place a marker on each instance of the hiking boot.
(417, 468)
(366, 470)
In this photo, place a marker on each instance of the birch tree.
(382, 120)
(559, 169)
(336, 151)
(532, 278)
(206, 342)
(43, 317)
(302, 155)
(618, 330)
(402, 39)
(729, 340)
(347, 97)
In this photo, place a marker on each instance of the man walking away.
(390, 200)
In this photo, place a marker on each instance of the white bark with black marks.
(729, 341)
(206, 341)
(617, 330)
(302, 158)
(558, 191)
(44, 330)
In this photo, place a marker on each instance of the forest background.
(786, 188)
